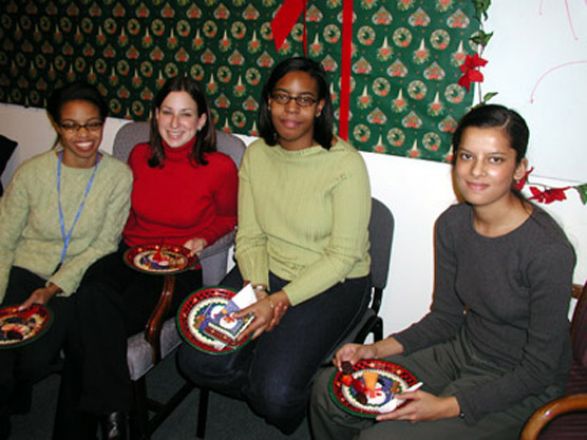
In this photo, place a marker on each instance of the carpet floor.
(228, 419)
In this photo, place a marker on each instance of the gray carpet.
(228, 419)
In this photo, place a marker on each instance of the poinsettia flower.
(548, 195)
(519, 185)
(470, 69)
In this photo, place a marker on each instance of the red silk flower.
(470, 69)
(548, 195)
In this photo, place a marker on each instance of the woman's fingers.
(263, 314)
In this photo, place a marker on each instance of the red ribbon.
(345, 68)
(282, 24)
(286, 17)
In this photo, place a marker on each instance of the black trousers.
(274, 373)
(22, 367)
(113, 303)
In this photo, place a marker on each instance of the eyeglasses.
(74, 127)
(301, 100)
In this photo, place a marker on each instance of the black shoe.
(114, 426)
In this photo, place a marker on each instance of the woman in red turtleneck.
(179, 202)
(184, 193)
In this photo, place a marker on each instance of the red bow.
(470, 70)
(285, 19)
(548, 195)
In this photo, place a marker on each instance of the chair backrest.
(381, 227)
(127, 137)
(214, 258)
(579, 329)
(135, 133)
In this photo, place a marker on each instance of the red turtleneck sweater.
(180, 200)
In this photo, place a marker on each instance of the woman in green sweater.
(63, 210)
(302, 241)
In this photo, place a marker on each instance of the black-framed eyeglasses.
(301, 100)
(74, 127)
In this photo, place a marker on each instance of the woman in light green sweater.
(63, 210)
(302, 241)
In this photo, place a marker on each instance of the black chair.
(381, 226)
(565, 418)
(160, 338)
(7, 147)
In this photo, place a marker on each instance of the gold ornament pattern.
(406, 54)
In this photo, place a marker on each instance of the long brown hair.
(206, 137)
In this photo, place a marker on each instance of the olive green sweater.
(303, 215)
(30, 236)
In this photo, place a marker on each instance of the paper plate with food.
(19, 327)
(370, 387)
(160, 259)
(206, 319)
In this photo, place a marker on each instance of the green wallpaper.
(405, 98)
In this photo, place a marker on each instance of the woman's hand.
(196, 245)
(353, 353)
(420, 405)
(268, 311)
(41, 296)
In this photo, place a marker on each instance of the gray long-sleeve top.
(511, 294)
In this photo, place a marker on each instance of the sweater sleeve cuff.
(468, 413)
(255, 273)
(67, 288)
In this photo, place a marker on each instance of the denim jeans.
(274, 373)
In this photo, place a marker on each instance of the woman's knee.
(202, 368)
(320, 387)
(280, 403)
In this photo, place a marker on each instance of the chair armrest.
(546, 413)
(220, 245)
(153, 327)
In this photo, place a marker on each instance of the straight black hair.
(322, 124)
(75, 91)
(495, 116)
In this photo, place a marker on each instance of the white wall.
(416, 191)
(531, 37)
(538, 65)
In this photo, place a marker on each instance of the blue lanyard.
(67, 237)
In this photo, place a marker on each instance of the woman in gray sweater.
(495, 344)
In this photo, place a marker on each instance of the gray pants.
(434, 366)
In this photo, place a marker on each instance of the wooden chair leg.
(202, 413)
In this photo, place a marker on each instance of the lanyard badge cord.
(67, 236)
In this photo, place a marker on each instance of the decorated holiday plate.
(369, 388)
(160, 259)
(19, 327)
(205, 321)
